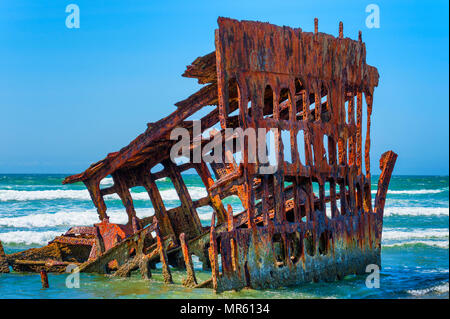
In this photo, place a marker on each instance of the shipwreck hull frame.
(261, 77)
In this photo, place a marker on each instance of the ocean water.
(415, 247)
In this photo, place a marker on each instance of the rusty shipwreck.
(309, 84)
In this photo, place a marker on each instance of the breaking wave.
(416, 211)
(107, 181)
(70, 218)
(15, 195)
(402, 237)
(28, 237)
(439, 289)
(403, 233)
(415, 192)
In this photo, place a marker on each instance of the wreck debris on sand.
(311, 86)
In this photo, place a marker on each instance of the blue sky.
(70, 96)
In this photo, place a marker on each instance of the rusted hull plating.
(294, 253)
(312, 86)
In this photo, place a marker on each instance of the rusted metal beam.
(206, 96)
(387, 163)
(125, 196)
(190, 280)
(167, 275)
(191, 219)
(213, 252)
(207, 180)
(94, 190)
(4, 267)
(158, 205)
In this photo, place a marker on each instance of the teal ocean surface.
(415, 247)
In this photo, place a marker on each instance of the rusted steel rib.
(387, 163)
(163, 257)
(213, 252)
(4, 267)
(190, 280)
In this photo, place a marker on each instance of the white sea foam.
(434, 271)
(15, 195)
(439, 289)
(403, 237)
(417, 191)
(107, 181)
(416, 211)
(205, 213)
(70, 218)
(28, 237)
(405, 234)
(171, 194)
(414, 191)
